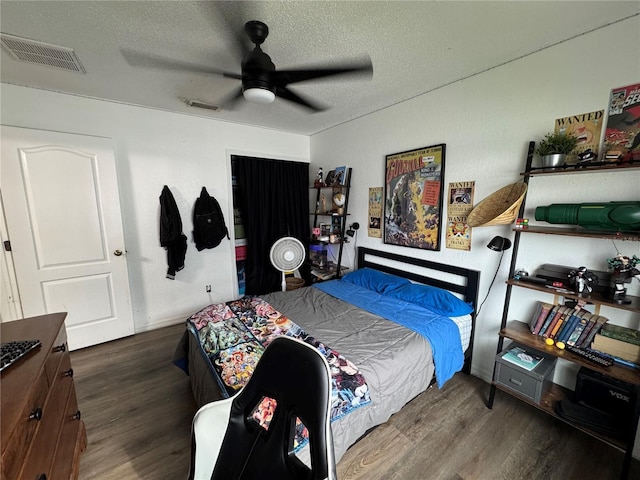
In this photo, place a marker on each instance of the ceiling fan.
(261, 81)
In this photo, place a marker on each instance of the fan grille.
(287, 254)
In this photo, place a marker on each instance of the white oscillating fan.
(287, 255)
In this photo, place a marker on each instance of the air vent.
(40, 53)
(208, 106)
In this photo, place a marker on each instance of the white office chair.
(250, 435)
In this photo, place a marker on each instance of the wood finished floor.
(138, 407)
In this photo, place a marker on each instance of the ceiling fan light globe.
(259, 95)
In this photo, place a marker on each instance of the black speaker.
(609, 395)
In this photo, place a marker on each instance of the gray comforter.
(396, 362)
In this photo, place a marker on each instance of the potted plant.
(555, 147)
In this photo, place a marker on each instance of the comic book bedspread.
(234, 335)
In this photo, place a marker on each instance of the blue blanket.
(441, 332)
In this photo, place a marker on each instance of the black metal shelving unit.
(519, 332)
(338, 220)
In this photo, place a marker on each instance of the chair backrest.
(291, 381)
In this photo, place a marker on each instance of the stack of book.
(620, 342)
(328, 273)
(569, 325)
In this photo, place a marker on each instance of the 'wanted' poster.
(375, 212)
(460, 198)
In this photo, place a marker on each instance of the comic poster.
(413, 197)
(375, 212)
(460, 198)
(587, 127)
(622, 135)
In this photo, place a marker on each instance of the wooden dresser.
(42, 433)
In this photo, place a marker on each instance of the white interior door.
(10, 306)
(63, 218)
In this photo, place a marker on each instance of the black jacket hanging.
(171, 236)
(209, 227)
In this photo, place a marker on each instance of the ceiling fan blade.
(231, 14)
(229, 101)
(286, 94)
(139, 59)
(286, 77)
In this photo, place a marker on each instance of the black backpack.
(209, 227)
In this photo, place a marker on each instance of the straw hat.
(499, 208)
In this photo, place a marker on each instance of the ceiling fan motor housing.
(257, 69)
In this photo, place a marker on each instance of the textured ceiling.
(415, 47)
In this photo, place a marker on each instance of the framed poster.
(413, 197)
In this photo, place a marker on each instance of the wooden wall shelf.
(519, 332)
(572, 170)
(594, 298)
(580, 232)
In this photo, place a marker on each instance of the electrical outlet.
(208, 288)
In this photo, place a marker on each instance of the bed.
(396, 362)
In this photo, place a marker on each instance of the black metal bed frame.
(468, 287)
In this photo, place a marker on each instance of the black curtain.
(273, 198)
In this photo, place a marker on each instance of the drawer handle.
(516, 381)
(60, 348)
(68, 373)
(36, 414)
(43, 476)
(77, 415)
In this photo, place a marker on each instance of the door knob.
(117, 253)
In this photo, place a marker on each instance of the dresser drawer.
(72, 441)
(515, 379)
(25, 431)
(40, 456)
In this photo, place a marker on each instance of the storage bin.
(531, 384)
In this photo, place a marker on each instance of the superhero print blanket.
(234, 334)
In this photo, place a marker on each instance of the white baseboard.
(167, 322)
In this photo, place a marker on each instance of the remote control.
(590, 355)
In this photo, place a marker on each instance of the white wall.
(486, 122)
(154, 148)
